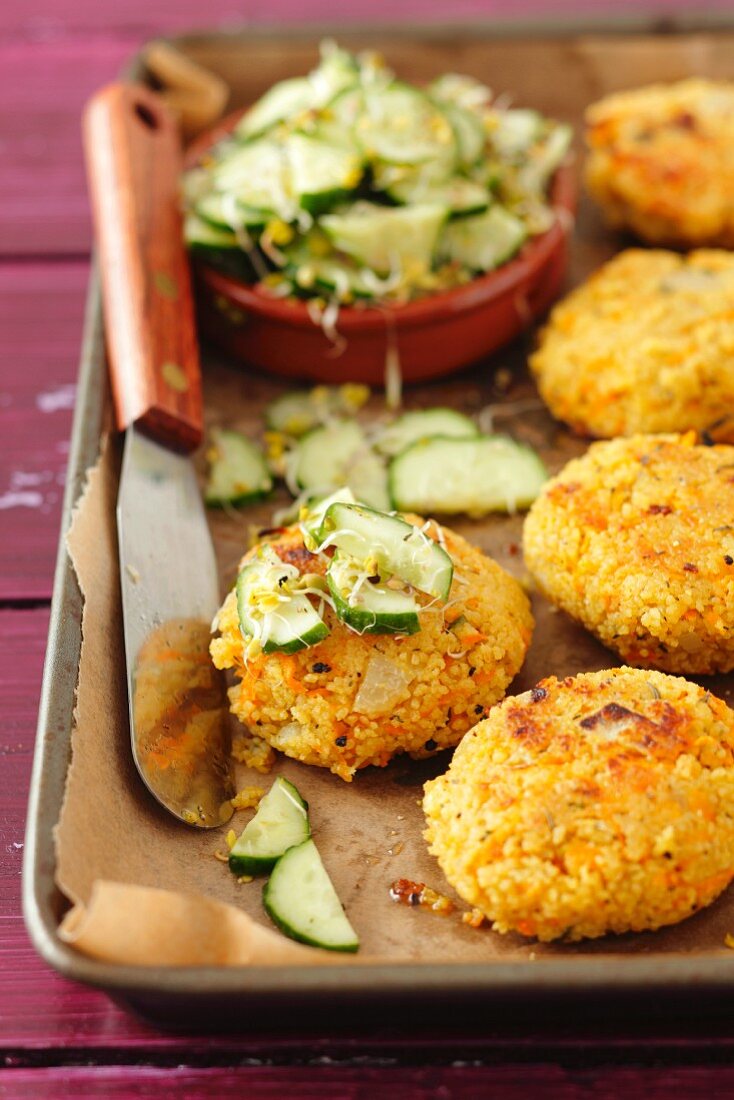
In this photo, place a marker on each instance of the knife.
(168, 577)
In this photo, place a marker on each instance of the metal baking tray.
(581, 986)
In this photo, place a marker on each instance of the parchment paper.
(370, 831)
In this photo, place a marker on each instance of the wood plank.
(44, 208)
(512, 1082)
(52, 18)
(41, 310)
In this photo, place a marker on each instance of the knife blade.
(178, 716)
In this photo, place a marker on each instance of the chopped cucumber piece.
(202, 236)
(536, 173)
(256, 174)
(469, 132)
(344, 111)
(280, 823)
(386, 238)
(368, 607)
(392, 545)
(460, 195)
(271, 613)
(320, 175)
(283, 100)
(367, 479)
(476, 476)
(238, 473)
(422, 423)
(465, 91)
(400, 125)
(337, 70)
(483, 241)
(225, 211)
(515, 131)
(312, 264)
(317, 509)
(300, 898)
(337, 454)
(325, 455)
(297, 411)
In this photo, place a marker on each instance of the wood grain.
(133, 153)
(41, 309)
(44, 209)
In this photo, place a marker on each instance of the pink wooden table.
(57, 1039)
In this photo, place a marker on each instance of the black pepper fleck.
(321, 666)
(728, 559)
(537, 693)
(690, 567)
(430, 745)
(479, 709)
(340, 741)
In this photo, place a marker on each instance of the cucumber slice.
(256, 174)
(469, 132)
(367, 479)
(327, 274)
(293, 624)
(238, 473)
(337, 70)
(367, 607)
(484, 241)
(283, 100)
(401, 125)
(218, 248)
(280, 823)
(227, 212)
(536, 173)
(515, 131)
(325, 455)
(297, 411)
(300, 898)
(422, 423)
(320, 175)
(317, 509)
(475, 476)
(460, 195)
(465, 91)
(202, 236)
(386, 238)
(337, 454)
(289, 98)
(392, 545)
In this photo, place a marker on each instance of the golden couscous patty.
(599, 803)
(645, 345)
(635, 540)
(661, 162)
(353, 699)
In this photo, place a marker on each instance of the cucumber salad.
(349, 186)
(372, 569)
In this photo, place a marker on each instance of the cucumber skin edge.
(300, 937)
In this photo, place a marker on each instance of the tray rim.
(565, 979)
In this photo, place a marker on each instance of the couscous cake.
(635, 540)
(598, 803)
(645, 345)
(661, 162)
(358, 699)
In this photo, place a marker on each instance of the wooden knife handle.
(134, 161)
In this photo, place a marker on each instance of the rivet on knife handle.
(134, 161)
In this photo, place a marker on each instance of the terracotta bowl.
(435, 335)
